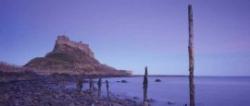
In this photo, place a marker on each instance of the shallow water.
(210, 91)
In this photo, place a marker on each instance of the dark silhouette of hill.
(72, 58)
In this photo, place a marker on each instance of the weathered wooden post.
(107, 88)
(99, 83)
(91, 85)
(145, 87)
(191, 57)
(79, 84)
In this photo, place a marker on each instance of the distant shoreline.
(187, 76)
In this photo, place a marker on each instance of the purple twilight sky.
(130, 34)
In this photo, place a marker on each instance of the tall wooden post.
(145, 87)
(191, 57)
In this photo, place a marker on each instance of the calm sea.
(174, 91)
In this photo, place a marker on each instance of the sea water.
(174, 91)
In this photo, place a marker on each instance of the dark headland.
(72, 58)
(41, 81)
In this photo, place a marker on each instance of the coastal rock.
(72, 58)
(157, 80)
(171, 103)
(124, 81)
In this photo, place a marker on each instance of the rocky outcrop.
(72, 58)
(63, 44)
